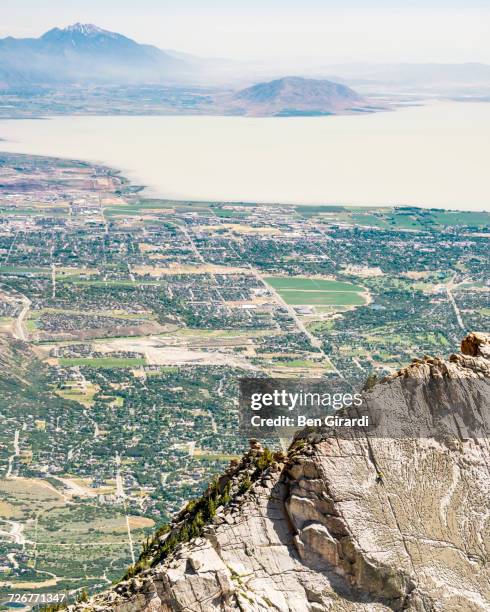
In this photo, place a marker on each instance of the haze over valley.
(428, 156)
(303, 150)
(73, 68)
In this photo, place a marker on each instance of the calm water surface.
(434, 155)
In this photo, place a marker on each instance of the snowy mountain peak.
(85, 28)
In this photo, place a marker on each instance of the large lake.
(433, 155)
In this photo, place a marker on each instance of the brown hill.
(291, 96)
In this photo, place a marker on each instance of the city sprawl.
(126, 323)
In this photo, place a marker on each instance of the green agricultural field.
(229, 214)
(369, 220)
(315, 210)
(299, 290)
(320, 326)
(302, 283)
(28, 271)
(103, 362)
(451, 218)
(215, 457)
(115, 314)
(322, 298)
(302, 363)
(21, 211)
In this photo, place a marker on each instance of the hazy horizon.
(408, 157)
(299, 34)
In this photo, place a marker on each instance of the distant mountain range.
(84, 53)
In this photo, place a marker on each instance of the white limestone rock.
(326, 534)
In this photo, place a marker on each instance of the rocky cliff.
(394, 522)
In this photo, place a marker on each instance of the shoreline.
(136, 187)
(151, 192)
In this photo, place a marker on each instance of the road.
(94, 423)
(12, 457)
(122, 495)
(193, 245)
(456, 309)
(314, 341)
(17, 532)
(7, 257)
(74, 488)
(17, 535)
(119, 482)
(131, 275)
(202, 260)
(53, 281)
(19, 330)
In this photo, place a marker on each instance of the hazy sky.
(307, 30)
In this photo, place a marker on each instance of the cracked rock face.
(385, 523)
